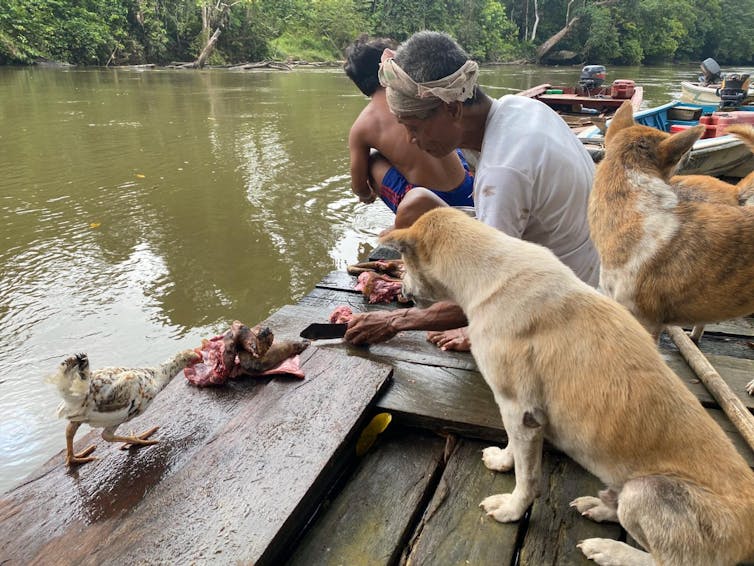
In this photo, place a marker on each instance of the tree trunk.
(205, 22)
(536, 21)
(207, 51)
(547, 46)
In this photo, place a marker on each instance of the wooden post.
(737, 412)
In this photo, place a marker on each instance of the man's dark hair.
(363, 61)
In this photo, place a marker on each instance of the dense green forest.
(117, 32)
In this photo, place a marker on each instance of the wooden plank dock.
(265, 471)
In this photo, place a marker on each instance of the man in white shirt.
(532, 180)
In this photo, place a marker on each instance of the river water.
(141, 211)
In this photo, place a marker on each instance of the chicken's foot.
(135, 440)
(71, 458)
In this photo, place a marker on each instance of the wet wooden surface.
(375, 511)
(264, 471)
(453, 525)
(237, 473)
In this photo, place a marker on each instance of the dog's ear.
(672, 149)
(401, 240)
(623, 118)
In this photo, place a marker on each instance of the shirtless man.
(398, 171)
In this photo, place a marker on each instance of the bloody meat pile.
(379, 281)
(244, 351)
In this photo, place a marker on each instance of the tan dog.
(570, 365)
(713, 190)
(670, 257)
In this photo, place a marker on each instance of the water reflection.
(142, 211)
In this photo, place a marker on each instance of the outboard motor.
(710, 72)
(592, 76)
(733, 90)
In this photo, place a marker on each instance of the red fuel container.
(622, 88)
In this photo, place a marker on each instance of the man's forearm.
(439, 316)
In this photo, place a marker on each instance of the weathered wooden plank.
(718, 344)
(554, 528)
(374, 511)
(382, 252)
(735, 371)
(727, 345)
(238, 494)
(327, 299)
(443, 399)
(454, 529)
(739, 326)
(339, 281)
(409, 346)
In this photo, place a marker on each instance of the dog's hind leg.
(609, 552)
(525, 440)
(600, 509)
(674, 521)
(696, 333)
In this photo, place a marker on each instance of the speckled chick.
(110, 396)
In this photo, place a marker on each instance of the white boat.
(694, 93)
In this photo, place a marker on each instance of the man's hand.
(371, 197)
(378, 326)
(371, 327)
(368, 199)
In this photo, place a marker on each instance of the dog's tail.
(744, 132)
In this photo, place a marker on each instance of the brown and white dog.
(716, 191)
(570, 365)
(677, 251)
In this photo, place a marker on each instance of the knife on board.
(324, 331)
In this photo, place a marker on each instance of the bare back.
(378, 128)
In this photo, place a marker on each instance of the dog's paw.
(503, 507)
(750, 387)
(595, 509)
(609, 552)
(497, 459)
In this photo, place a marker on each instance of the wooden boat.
(716, 153)
(696, 93)
(579, 106)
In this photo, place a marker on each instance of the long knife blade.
(323, 331)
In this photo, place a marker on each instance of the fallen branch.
(279, 65)
(547, 46)
(737, 412)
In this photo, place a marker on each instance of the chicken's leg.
(133, 440)
(70, 457)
